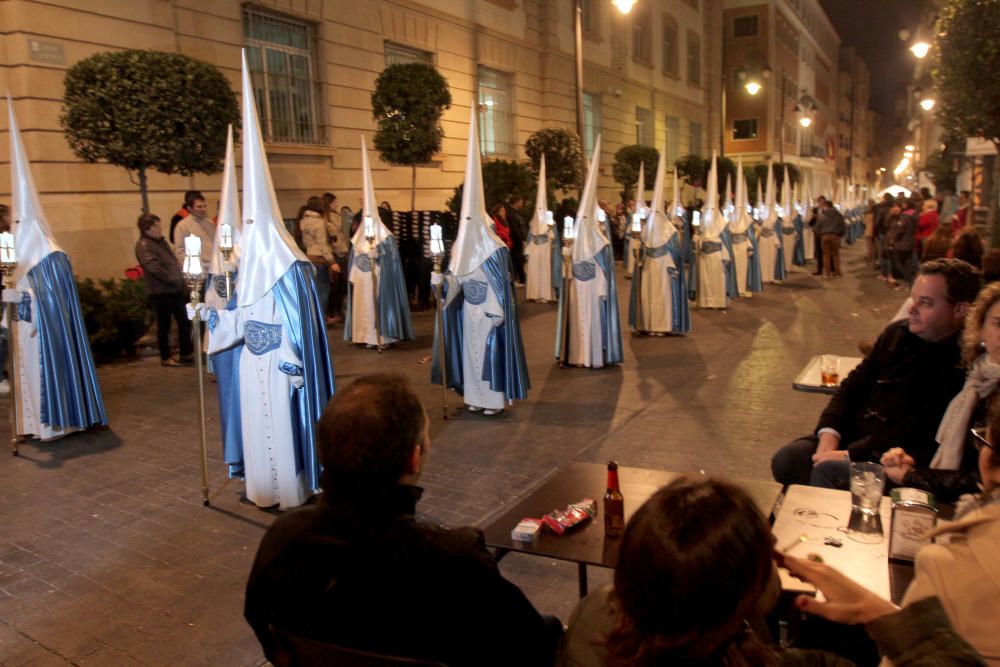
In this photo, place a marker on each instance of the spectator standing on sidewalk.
(165, 283)
(830, 228)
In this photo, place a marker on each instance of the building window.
(744, 129)
(694, 58)
(591, 121)
(591, 17)
(397, 54)
(496, 120)
(642, 37)
(745, 26)
(281, 56)
(671, 67)
(673, 140)
(643, 126)
(695, 138)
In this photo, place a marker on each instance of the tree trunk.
(144, 189)
(413, 188)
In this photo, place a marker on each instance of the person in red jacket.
(927, 222)
(500, 226)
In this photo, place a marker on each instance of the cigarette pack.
(526, 530)
(559, 521)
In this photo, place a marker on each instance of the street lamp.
(920, 48)
(909, 147)
(624, 6)
(927, 103)
(753, 87)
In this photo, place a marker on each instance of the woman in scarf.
(954, 469)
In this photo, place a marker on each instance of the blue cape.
(779, 256)
(393, 301)
(681, 314)
(611, 329)
(70, 394)
(754, 282)
(295, 296)
(506, 369)
(226, 367)
(799, 258)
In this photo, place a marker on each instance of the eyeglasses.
(979, 438)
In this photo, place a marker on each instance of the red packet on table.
(559, 521)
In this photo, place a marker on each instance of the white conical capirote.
(539, 225)
(476, 240)
(369, 207)
(675, 200)
(640, 190)
(806, 196)
(770, 215)
(229, 210)
(33, 240)
(712, 222)
(590, 238)
(760, 198)
(741, 217)
(268, 249)
(658, 229)
(786, 196)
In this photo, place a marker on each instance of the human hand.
(437, 279)
(12, 296)
(846, 601)
(835, 455)
(229, 267)
(565, 252)
(195, 310)
(496, 321)
(828, 442)
(334, 268)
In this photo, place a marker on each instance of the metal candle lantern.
(226, 248)
(437, 253)
(373, 254)
(8, 264)
(569, 235)
(195, 278)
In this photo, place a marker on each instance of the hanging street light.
(920, 49)
(624, 6)
(927, 103)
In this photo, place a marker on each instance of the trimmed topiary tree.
(563, 156)
(626, 168)
(145, 110)
(407, 104)
(501, 180)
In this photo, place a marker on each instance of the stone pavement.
(107, 556)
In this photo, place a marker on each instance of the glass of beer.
(829, 370)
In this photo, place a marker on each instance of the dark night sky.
(872, 26)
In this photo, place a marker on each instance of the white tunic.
(767, 249)
(480, 313)
(808, 240)
(711, 280)
(362, 270)
(741, 260)
(587, 293)
(538, 270)
(265, 407)
(657, 297)
(628, 261)
(29, 368)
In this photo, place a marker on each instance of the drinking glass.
(867, 486)
(829, 370)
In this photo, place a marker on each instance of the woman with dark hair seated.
(696, 565)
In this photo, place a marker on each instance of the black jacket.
(159, 265)
(896, 396)
(364, 573)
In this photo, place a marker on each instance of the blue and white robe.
(665, 307)
(395, 322)
(226, 367)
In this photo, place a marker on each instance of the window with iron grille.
(496, 119)
(695, 139)
(745, 26)
(694, 58)
(591, 121)
(744, 129)
(673, 140)
(643, 126)
(670, 64)
(281, 55)
(396, 54)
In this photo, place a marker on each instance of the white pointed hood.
(590, 238)
(33, 240)
(229, 210)
(268, 249)
(659, 229)
(786, 197)
(712, 222)
(640, 190)
(369, 207)
(675, 202)
(770, 215)
(476, 240)
(806, 197)
(760, 200)
(538, 222)
(741, 218)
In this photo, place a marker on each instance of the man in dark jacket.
(357, 569)
(519, 232)
(830, 229)
(899, 393)
(165, 283)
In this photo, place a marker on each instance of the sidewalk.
(107, 556)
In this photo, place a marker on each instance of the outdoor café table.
(809, 379)
(586, 544)
(819, 514)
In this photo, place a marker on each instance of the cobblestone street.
(107, 556)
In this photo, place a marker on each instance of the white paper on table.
(819, 513)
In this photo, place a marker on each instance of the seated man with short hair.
(898, 394)
(358, 570)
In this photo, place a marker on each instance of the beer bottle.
(614, 503)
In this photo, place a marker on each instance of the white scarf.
(954, 429)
